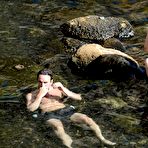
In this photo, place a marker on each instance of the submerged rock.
(97, 62)
(113, 102)
(130, 124)
(19, 67)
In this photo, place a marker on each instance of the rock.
(72, 44)
(130, 124)
(19, 67)
(105, 31)
(97, 62)
(93, 27)
(113, 102)
(89, 52)
(114, 43)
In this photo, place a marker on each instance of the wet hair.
(45, 72)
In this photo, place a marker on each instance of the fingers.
(43, 90)
(57, 84)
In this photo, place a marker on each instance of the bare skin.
(146, 49)
(48, 97)
(146, 43)
(146, 66)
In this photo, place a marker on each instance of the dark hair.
(45, 72)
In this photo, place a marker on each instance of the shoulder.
(31, 94)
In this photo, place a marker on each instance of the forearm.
(34, 105)
(66, 91)
(71, 94)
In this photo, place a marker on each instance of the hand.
(58, 85)
(78, 96)
(42, 91)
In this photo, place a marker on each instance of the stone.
(93, 27)
(96, 62)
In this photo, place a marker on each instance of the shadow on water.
(29, 34)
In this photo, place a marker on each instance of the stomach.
(48, 107)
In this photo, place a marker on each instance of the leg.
(57, 125)
(84, 119)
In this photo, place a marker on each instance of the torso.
(52, 101)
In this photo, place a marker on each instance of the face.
(44, 81)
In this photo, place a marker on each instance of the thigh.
(79, 118)
(54, 122)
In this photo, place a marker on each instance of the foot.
(67, 141)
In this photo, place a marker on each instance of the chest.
(53, 95)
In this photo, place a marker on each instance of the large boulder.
(97, 28)
(97, 62)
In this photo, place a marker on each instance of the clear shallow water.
(29, 33)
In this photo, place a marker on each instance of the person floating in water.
(48, 98)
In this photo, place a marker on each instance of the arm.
(66, 91)
(146, 43)
(33, 102)
(146, 66)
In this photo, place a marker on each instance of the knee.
(87, 119)
(82, 118)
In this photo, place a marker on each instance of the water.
(29, 34)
